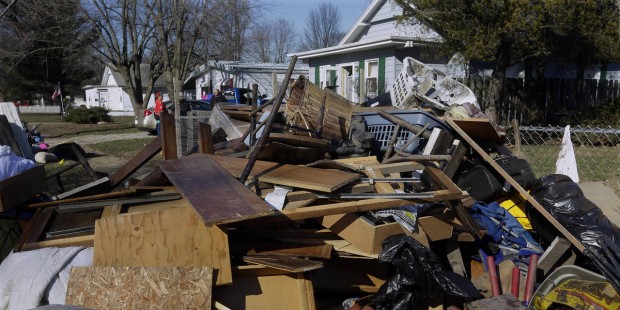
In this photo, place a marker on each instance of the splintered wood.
(169, 237)
(140, 287)
(303, 109)
(215, 195)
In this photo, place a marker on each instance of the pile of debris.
(318, 204)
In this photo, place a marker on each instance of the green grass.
(594, 163)
(121, 148)
(53, 126)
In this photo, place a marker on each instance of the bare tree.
(126, 41)
(322, 27)
(271, 41)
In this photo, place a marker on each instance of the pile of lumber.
(279, 222)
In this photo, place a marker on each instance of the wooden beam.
(489, 160)
(88, 241)
(205, 138)
(135, 163)
(168, 136)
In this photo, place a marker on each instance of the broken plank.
(286, 263)
(170, 237)
(489, 160)
(148, 152)
(140, 287)
(215, 195)
(289, 249)
(322, 180)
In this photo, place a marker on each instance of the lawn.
(53, 126)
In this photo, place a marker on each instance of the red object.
(146, 113)
(493, 275)
(514, 285)
(56, 92)
(531, 279)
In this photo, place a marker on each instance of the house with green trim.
(366, 62)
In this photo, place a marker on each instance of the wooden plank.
(489, 160)
(298, 140)
(116, 194)
(322, 180)
(380, 187)
(168, 137)
(286, 263)
(140, 287)
(344, 207)
(459, 150)
(216, 196)
(205, 138)
(270, 291)
(93, 188)
(87, 240)
(22, 187)
(170, 237)
(290, 249)
(123, 173)
(111, 211)
(554, 254)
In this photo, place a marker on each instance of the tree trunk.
(495, 92)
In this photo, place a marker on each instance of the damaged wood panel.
(322, 180)
(259, 292)
(22, 187)
(215, 195)
(171, 237)
(479, 129)
(140, 287)
(304, 109)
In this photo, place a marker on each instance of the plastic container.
(562, 274)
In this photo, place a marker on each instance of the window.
(372, 76)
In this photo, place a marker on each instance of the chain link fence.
(597, 151)
(187, 130)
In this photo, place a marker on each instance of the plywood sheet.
(216, 196)
(169, 237)
(140, 287)
(322, 180)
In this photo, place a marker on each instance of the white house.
(112, 94)
(366, 62)
(227, 74)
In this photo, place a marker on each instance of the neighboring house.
(112, 93)
(369, 58)
(229, 74)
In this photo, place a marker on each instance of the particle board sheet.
(169, 237)
(215, 195)
(140, 287)
(303, 110)
(322, 180)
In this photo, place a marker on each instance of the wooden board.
(489, 160)
(298, 140)
(322, 180)
(286, 263)
(260, 292)
(272, 248)
(124, 172)
(479, 129)
(216, 196)
(140, 287)
(170, 237)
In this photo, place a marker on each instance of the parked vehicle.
(146, 119)
(243, 96)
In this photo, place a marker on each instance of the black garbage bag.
(419, 276)
(565, 201)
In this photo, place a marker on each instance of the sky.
(296, 11)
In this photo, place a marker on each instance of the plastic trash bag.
(419, 276)
(565, 201)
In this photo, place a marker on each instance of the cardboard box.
(360, 232)
(22, 187)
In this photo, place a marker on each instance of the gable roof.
(377, 28)
(120, 82)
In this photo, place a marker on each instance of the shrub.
(83, 115)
